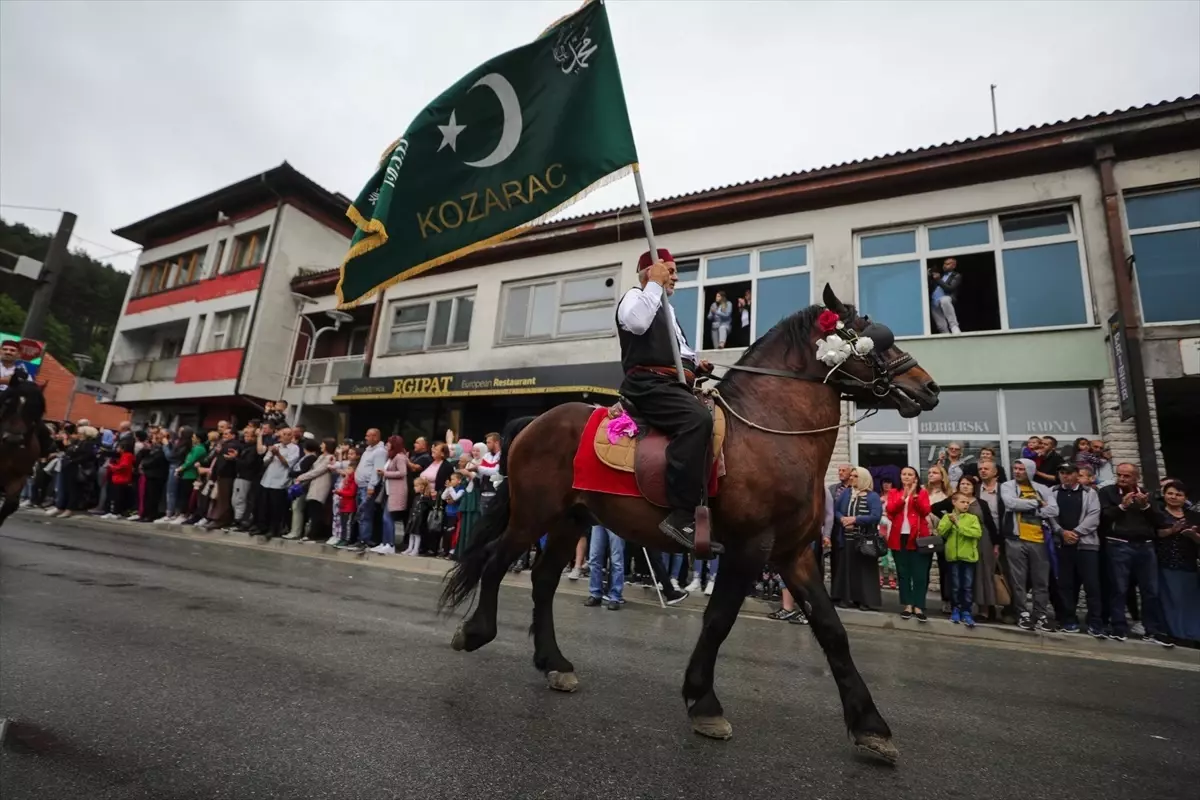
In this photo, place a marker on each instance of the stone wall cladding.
(1120, 436)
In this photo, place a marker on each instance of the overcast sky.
(119, 110)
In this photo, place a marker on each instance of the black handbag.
(930, 544)
(433, 521)
(871, 545)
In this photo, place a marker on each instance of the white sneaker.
(52, 512)
(108, 516)
(331, 540)
(384, 550)
(709, 589)
(675, 585)
(26, 504)
(694, 586)
(574, 574)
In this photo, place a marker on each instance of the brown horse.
(783, 405)
(22, 406)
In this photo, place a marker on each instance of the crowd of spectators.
(273, 480)
(1072, 544)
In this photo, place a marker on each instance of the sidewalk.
(1077, 645)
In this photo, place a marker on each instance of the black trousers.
(669, 406)
(314, 515)
(155, 487)
(279, 518)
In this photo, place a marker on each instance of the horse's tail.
(485, 537)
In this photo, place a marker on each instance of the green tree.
(87, 300)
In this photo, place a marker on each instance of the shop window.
(1164, 230)
(1017, 271)
(1002, 420)
(762, 285)
(431, 324)
(570, 306)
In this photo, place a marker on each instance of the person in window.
(1027, 504)
(945, 283)
(856, 518)
(1177, 549)
(720, 317)
(661, 400)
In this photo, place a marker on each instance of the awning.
(601, 378)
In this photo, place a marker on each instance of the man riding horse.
(23, 437)
(653, 389)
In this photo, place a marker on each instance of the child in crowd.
(962, 530)
(451, 496)
(275, 414)
(417, 514)
(1033, 449)
(346, 492)
(887, 564)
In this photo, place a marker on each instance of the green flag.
(511, 144)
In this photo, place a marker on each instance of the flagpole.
(662, 309)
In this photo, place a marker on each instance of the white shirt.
(276, 475)
(490, 465)
(373, 459)
(6, 372)
(636, 313)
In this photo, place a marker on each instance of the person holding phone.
(1133, 526)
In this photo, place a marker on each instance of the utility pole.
(56, 259)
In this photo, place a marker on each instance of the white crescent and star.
(510, 133)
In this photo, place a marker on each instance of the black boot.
(680, 526)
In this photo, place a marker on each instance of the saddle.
(646, 454)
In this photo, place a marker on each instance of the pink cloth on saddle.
(621, 426)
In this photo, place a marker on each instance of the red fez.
(663, 255)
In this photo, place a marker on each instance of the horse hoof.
(878, 747)
(713, 727)
(459, 642)
(562, 681)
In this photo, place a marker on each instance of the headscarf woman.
(856, 518)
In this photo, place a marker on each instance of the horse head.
(22, 406)
(869, 367)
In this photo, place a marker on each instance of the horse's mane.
(791, 334)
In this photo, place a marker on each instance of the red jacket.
(346, 495)
(918, 517)
(121, 470)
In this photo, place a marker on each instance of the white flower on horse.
(863, 345)
(833, 350)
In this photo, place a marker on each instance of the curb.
(1072, 645)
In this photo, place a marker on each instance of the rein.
(716, 395)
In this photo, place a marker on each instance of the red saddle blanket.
(593, 475)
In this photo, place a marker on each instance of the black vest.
(1070, 507)
(650, 349)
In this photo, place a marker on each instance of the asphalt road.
(148, 667)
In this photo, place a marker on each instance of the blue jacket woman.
(856, 517)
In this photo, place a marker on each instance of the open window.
(1016, 271)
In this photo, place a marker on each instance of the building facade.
(1056, 231)
(209, 315)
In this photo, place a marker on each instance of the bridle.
(881, 384)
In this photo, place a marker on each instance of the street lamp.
(81, 360)
(338, 318)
